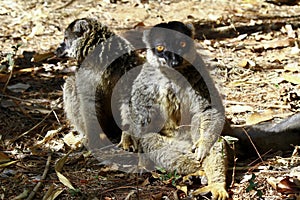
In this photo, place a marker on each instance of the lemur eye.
(160, 48)
(183, 44)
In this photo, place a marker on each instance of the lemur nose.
(175, 60)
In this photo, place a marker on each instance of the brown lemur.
(83, 35)
(103, 58)
(174, 108)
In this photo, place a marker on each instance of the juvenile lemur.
(103, 58)
(174, 108)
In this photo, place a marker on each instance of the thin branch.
(34, 127)
(38, 185)
(9, 77)
(253, 145)
(257, 104)
(65, 5)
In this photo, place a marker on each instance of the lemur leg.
(215, 168)
(207, 129)
(170, 153)
(72, 105)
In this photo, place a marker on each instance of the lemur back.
(103, 58)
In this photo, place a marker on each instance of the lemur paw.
(189, 176)
(126, 142)
(201, 149)
(217, 190)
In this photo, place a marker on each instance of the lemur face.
(74, 35)
(171, 41)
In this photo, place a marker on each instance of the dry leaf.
(155, 175)
(256, 118)
(288, 186)
(58, 168)
(50, 134)
(41, 57)
(38, 29)
(51, 194)
(3, 157)
(4, 78)
(293, 78)
(182, 188)
(72, 141)
(278, 43)
(64, 180)
(146, 182)
(240, 109)
(8, 163)
(273, 182)
(23, 195)
(60, 163)
(157, 196)
(243, 63)
(19, 87)
(292, 67)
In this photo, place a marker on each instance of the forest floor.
(253, 46)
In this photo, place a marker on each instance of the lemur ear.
(146, 34)
(81, 26)
(192, 29)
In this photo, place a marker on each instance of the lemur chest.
(167, 97)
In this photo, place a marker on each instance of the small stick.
(257, 104)
(34, 127)
(253, 145)
(38, 185)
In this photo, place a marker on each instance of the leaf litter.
(253, 51)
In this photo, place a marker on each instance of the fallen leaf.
(64, 180)
(292, 67)
(292, 78)
(50, 134)
(72, 141)
(23, 195)
(4, 78)
(182, 188)
(276, 43)
(256, 117)
(19, 87)
(146, 182)
(60, 163)
(288, 186)
(41, 57)
(273, 182)
(58, 168)
(3, 157)
(51, 194)
(243, 63)
(8, 163)
(240, 109)
(157, 196)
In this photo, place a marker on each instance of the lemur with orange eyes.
(174, 114)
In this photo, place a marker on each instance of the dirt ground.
(251, 46)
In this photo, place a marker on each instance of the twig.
(118, 188)
(253, 145)
(65, 5)
(56, 117)
(258, 158)
(257, 104)
(9, 77)
(234, 165)
(34, 127)
(38, 185)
